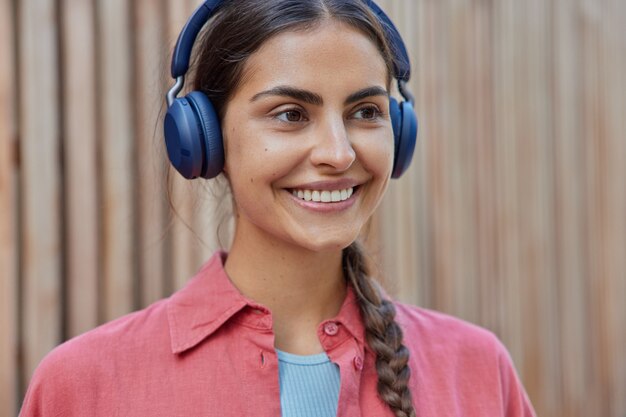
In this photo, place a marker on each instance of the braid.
(383, 334)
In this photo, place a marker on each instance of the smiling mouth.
(324, 196)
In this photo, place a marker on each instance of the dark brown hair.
(235, 32)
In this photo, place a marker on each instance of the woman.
(288, 322)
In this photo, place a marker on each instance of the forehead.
(331, 55)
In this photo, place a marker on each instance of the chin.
(318, 245)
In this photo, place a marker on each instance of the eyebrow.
(315, 99)
(365, 93)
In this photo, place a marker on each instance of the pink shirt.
(209, 351)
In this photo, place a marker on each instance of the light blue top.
(309, 385)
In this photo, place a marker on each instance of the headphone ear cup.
(212, 145)
(404, 122)
(396, 122)
(193, 137)
(182, 134)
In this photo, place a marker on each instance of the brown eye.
(291, 116)
(367, 113)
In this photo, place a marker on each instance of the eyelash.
(377, 114)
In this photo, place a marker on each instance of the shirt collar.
(210, 299)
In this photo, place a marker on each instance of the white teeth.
(324, 196)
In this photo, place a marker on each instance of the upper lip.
(330, 185)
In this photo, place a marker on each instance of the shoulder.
(443, 331)
(123, 335)
(444, 346)
(463, 360)
(72, 373)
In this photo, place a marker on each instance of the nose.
(332, 146)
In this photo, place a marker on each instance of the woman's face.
(308, 138)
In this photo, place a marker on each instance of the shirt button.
(331, 328)
(358, 363)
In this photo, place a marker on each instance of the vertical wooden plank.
(463, 118)
(79, 90)
(505, 41)
(618, 290)
(605, 214)
(534, 152)
(118, 256)
(596, 189)
(150, 164)
(443, 237)
(425, 74)
(8, 215)
(569, 169)
(484, 160)
(613, 84)
(420, 288)
(569, 213)
(40, 181)
(524, 187)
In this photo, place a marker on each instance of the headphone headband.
(187, 37)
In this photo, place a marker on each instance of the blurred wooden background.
(512, 216)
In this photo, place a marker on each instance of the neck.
(300, 287)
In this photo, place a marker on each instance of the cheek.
(262, 157)
(240, 152)
(230, 147)
(255, 167)
(376, 155)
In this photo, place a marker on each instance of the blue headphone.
(193, 135)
